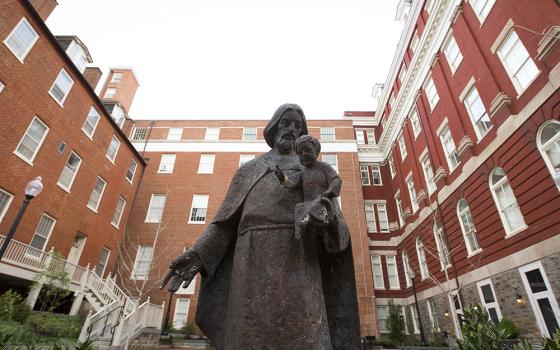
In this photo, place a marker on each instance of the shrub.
(56, 325)
(13, 307)
(479, 332)
(509, 327)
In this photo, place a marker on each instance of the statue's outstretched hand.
(181, 270)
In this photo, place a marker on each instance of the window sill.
(115, 226)
(165, 172)
(20, 59)
(395, 288)
(111, 160)
(378, 288)
(520, 93)
(129, 181)
(23, 158)
(197, 222)
(205, 173)
(93, 210)
(89, 136)
(151, 222)
(474, 253)
(64, 188)
(515, 232)
(61, 104)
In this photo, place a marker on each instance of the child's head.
(308, 149)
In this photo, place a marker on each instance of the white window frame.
(495, 305)
(66, 93)
(328, 134)
(441, 245)
(391, 260)
(392, 100)
(379, 319)
(4, 210)
(375, 169)
(325, 158)
(132, 172)
(402, 73)
(116, 77)
(414, 42)
(466, 215)
(104, 263)
(406, 268)
(432, 313)
(190, 289)
(110, 93)
(552, 143)
(166, 166)
(2, 86)
(248, 134)
(377, 272)
(100, 194)
(22, 21)
(39, 142)
(78, 57)
(382, 216)
(412, 193)
(422, 261)
(370, 134)
(445, 137)
(528, 62)
(402, 147)
(155, 214)
(92, 113)
(244, 158)
(534, 297)
(452, 53)
(398, 203)
(473, 102)
(67, 189)
(33, 250)
(175, 313)
(139, 134)
(116, 224)
(505, 186)
(428, 173)
(206, 164)
(371, 223)
(200, 198)
(415, 321)
(415, 121)
(142, 258)
(364, 175)
(175, 134)
(360, 138)
(482, 9)
(391, 166)
(114, 140)
(213, 135)
(431, 93)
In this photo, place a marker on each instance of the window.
(402, 147)
(548, 140)
(415, 121)
(61, 87)
(175, 134)
(328, 134)
(382, 215)
(422, 262)
(244, 158)
(479, 118)
(198, 209)
(360, 140)
(488, 299)
(102, 263)
(96, 194)
(212, 134)
(378, 282)
(206, 165)
(407, 269)
(467, 227)
(412, 193)
(113, 149)
(142, 263)
(332, 160)
(249, 134)
(364, 173)
(115, 221)
(69, 171)
(392, 167)
(433, 315)
(449, 148)
(1, 86)
(431, 93)
(443, 252)
(167, 163)
(415, 323)
(110, 93)
(41, 235)
(21, 39)
(370, 217)
(511, 216)
(116, 78)
(382, 316)
(376, 174)
(370, 136)
(392, 100)
(402, 73)
(77, 55)
(139, 134)
(452, 53)
(517, 62)
(414, 42)
(90, 124)
(428, 174)
(399, 208)
(32, 140)
(181, 313)
(402, 315)
(482, 8)
(5, 201)
(541, 297)
(118, 115)
(131, 170)
(190, 289)
(392, 272)
(155, 209)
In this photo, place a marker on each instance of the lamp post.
(422, 338)
(32, 190)
(166, 321)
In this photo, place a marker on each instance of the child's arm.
(285, 181)
(334, 181)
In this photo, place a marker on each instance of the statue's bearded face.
(289, 129)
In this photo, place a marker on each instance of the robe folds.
(263, 289)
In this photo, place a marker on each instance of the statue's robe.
(262, 288)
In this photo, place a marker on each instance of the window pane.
(536, 281)
(91, 121)
(548, 315)
(33, 137)
(69, 171)
(249, 134)
(22, 38)
(155, 211)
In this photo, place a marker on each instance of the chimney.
(44, 7)
(92, 75)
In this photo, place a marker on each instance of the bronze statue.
(261, 287)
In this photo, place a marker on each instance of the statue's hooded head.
(272, 127)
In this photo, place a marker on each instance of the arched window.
(443, 252)
(467, 226)
(511, 216)
(421, 258)
(548, 140)
(406, 267)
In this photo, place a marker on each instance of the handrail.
(106, 318)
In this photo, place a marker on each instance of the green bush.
(480, 332)
(510, 328)
(13, 307)
(55, 325)
(20, 333)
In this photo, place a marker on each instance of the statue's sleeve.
(337, 235)
(213, 245)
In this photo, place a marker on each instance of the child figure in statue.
(319, 182)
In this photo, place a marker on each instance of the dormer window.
(77, 55)
(116, 78)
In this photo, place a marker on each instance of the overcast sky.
(239, 58)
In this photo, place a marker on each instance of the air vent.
(61, 147)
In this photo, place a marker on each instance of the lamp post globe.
(34, 187)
